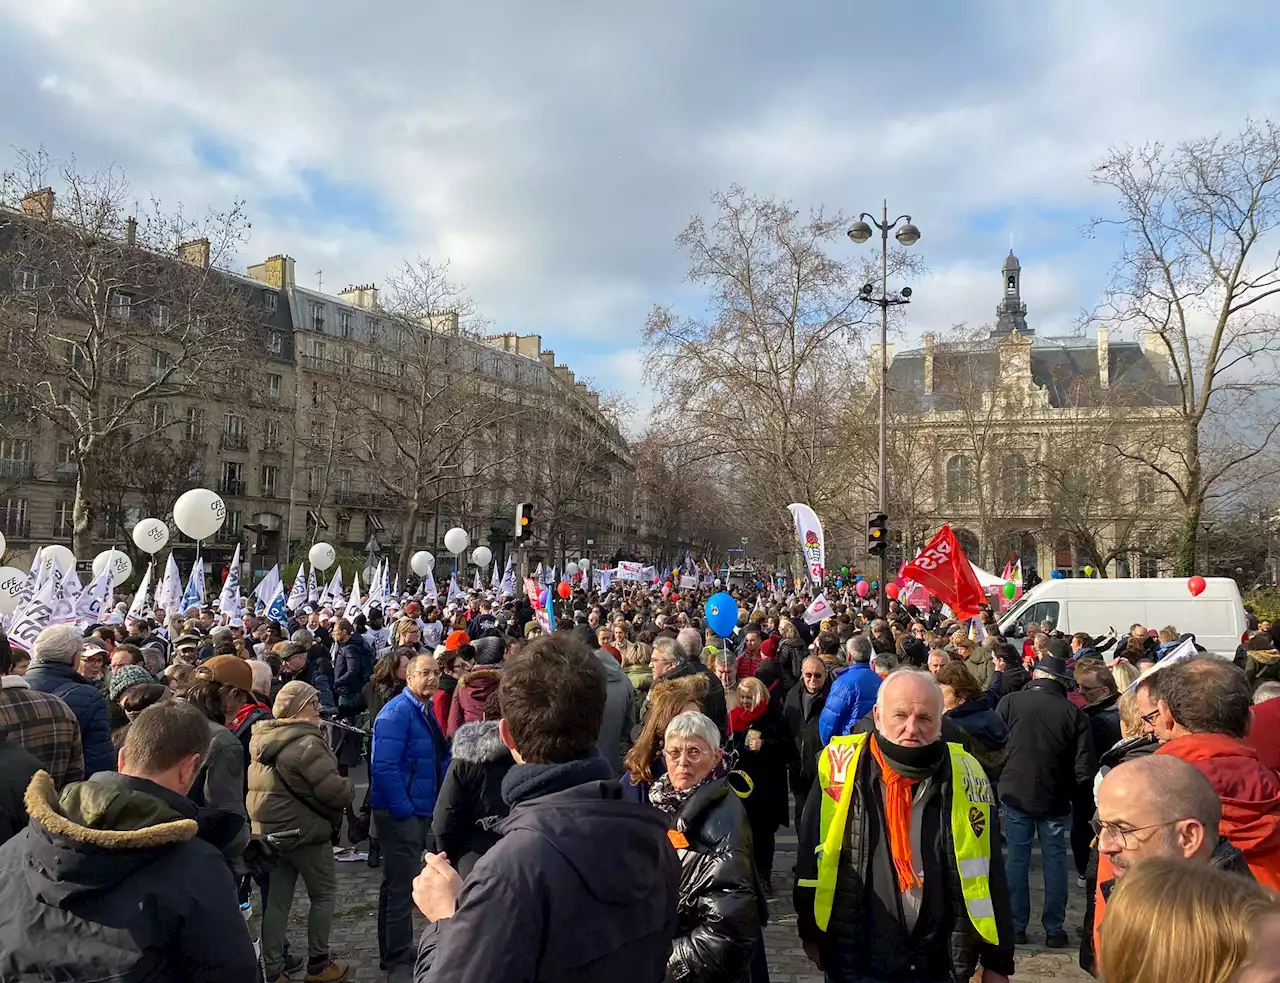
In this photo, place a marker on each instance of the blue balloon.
(722, 614)
(875, 585)
(858, 579)
(1056, 575)
(839, 582)
(758, 584)
(542, 598)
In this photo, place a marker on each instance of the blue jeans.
(1020, 829)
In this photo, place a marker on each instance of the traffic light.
(524, 516)
(877, 533)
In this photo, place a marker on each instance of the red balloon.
(892, 591)
(564, 590)
(675, 596)
(667, 585)
(1196, 585)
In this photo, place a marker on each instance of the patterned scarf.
(669, 799)
(898, 792)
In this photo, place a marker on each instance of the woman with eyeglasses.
(721, 909)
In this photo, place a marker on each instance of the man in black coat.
(1051, 757)
(583, 885)
(802, 708)
(120, 877)
(1098, 687)
(17, 766)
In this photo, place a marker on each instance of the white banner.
(688, 583)
(630, 571)
(818, 610)
(809, 532)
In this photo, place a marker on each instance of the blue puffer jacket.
(86, 702)
(853, 694)
(409, 758)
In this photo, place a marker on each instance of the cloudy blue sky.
(553, 150)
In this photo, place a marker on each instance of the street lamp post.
(908, 235)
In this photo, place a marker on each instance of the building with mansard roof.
(1016, 439)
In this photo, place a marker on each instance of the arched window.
(959, 480)
(1016, 480)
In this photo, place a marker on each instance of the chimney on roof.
(131, 231)
(274, 272)
(1104, 356)
(1157, 351)
(195, 253)
(365, 296)
(39, 204)
(548, 357)
(873, 366)
(529, 344)
(928, 362)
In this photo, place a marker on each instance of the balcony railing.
(65, 474)
(15, 469)
(234, 488)
(234, 441)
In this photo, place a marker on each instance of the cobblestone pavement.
(355, 927)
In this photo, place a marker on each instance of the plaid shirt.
(45, 726)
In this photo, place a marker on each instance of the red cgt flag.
(944, 571)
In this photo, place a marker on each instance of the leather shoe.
(1019, 936)
(1059, 941)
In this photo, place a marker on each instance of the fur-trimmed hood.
(481, 679)
(100, 831)
(479, 742)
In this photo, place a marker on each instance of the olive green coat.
(294, 781)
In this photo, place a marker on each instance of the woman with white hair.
(721, 908)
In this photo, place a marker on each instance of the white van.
(1097, 606)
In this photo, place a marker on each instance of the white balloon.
(456, 541)
(584, 564)
(119, 559)
(199, 513)
(2, 544)
(717, 581)
(151, 535)
(322, 556)
(421, 563)
(481, 556)
(12, 583)
(570, 569)
(66, 559)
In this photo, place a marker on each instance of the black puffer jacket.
(470, 803)
(721, 909)
(713, 704)
(120, 879)
(1050, 750)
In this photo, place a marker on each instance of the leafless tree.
(112, 315)
(759, 383)
(1198, 267)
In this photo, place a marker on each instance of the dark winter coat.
(86, 702)
(767, 768)
(352, 667)
(470, 803)
(853, 694)
(1014, 678)
(17, 766)
(409, 758)
(473, 690)
(1104, 723)
(804, 728)
(120, 879)
(582, 887)
(790, 658)
(220, 783)
(620, 712)
(314, 673)
(721, 910)
(294, 782)
(986, 736)
(1050, 750)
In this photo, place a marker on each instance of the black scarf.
(529, 781)
(912, 762)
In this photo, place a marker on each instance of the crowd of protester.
(602, 800)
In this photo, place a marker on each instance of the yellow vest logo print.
(977, 821)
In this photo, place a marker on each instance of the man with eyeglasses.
(1157, 806)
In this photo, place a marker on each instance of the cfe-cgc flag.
(945, 572)
(229, 599)
(812, 544)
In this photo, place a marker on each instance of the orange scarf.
(898, 793)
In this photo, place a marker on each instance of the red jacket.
(1250, 793)
(1264, 735)
(474, 689)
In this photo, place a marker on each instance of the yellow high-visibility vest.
(971, 804)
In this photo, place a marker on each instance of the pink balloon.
(863, 588)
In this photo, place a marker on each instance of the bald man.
(1157, 806)
(913, 899)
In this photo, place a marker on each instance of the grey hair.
(884, 662)
(667, 649)
(694, 723)
(690, 642)
(858, 649)
(923, 675)
(726, 658)
(261, 676)
(1266, 691)
(57, 643)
